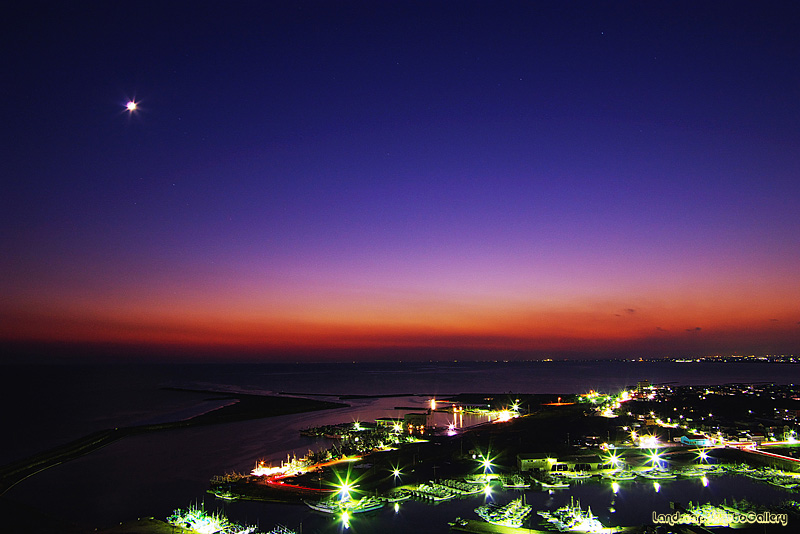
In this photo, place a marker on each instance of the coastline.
(246, 407)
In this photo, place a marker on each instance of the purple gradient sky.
(531, 176)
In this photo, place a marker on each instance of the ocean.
(151, 475)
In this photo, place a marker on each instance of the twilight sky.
(525, 178)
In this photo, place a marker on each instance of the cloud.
(660, 329)
(630, 310)
(695, 329)
(773, 320)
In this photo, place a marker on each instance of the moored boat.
(657, 474)
(512, 514)
(572, 518)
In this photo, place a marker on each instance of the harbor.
(545, 451)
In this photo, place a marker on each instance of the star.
(131, 106)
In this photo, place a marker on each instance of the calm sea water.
(150, 475)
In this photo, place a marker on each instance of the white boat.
(326, 507)
(553, 483)
(657, 474)
(578, 475)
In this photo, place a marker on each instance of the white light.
(131, 106)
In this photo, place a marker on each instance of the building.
(691, 440)
(546, 463)
(535, 461)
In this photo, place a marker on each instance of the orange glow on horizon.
(587, 328)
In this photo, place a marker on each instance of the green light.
(344, 486)
(486, 463)
(614, 459)
(654, 457)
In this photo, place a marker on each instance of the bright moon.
(131, 106)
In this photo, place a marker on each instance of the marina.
(443, 465)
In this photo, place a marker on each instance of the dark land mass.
(248, 407)
(252, 407)
(345, 397)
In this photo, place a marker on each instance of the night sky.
(402, 179)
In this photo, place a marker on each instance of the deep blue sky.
(512, 175)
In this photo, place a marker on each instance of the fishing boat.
(514, 482)
(365, 504)
(225, 495)
(620, 475)
(433, 492)
(398, 496)
(512, 514)
(331, 506)
(462, 488)
(326, 506)
(572, 518)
